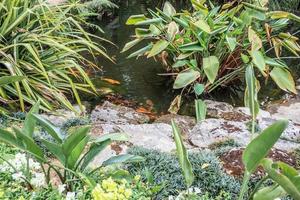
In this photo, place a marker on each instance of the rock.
(246, 111)
(156, 136)
(289, 110)
(211, 131)
(56, 2)
(185, 123)
(60, 116)
(222, 110)
(109, 113)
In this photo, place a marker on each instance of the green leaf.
(74, 139)
(199, 88)
(132, 20)
(180, 63)
(254, 39)
(149, 21)
(269, 193)
(231, 41)
(259, 61)
(158, 47)
(30, 122)
(259, 147)
(275, 63)
(125, 158)
(94, 150)
(291, 173)
(251, 92)
(168, 9)
(5, 80)
(74, 156)
(201, 24)
(183, 156)
(9, 138)
(283, 79)
(173, 29)
(56, 150)
(141, 51)
(193, 46)
(201, 110)
(131, 44)
(51, 129)
(185, 78)
(211, 67)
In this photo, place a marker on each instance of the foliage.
(212, 45)
(74, 152)
(288, 5)
(75, 122)
(164, 169)
(47, 46)
(195, 194)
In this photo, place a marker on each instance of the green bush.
(164, 168)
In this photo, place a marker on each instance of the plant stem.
(245, 185)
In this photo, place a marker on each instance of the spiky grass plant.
(47, 44)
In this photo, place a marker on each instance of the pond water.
(139, 79)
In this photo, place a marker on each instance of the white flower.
(18, 176)
(61, 188)
(71, 196)
(38, 180)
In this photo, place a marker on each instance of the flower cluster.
(112, 190)
(191, 193)
(17, 166)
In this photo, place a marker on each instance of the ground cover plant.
(45, 46)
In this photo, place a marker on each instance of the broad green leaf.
(201, 24)
(193, 46)
(74, 138)
(283, 78)
(201, 110)
(291, 173)
(149, 21)
(285, 182)
(125, 158)
(260, 146)
(199, 88)
(94, 150)
(185, 78)
(30, 122)
(5, 80)
(76, 152)
(254, 39)
(183, 156)
(142, 33)
(180, 63)
(181, 22)
(251, 92)
(141, 51)
(158, 47)
(132, 20)
(50, 128)
(30, 146)
(275, 63)
(269, 193)
(131, 44)
(259, 61)
(231, 41)
(154, 30)
(211, 67)
(55, 149)
(173, 29)
(9, 138)
(168, 9)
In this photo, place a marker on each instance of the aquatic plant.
(211, 46)
(47, 46)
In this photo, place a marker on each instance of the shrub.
(47, 46)
(165, 169)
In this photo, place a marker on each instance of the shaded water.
(139, 78)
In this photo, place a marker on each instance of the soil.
(233, 165)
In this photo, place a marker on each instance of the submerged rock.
(109, 113)
(211, 131)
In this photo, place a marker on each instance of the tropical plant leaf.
(259, 61)
(158, 47)
(183, 156)
(259, 147)
(211, 66)
(185, 78)
(283, 78)
(125, 158)
(269, 193)
(201, 110)
(168, 9)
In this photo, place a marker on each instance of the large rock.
(109, 113)
(156, 136)
(289, 110)
(185, 123)
(212, 131)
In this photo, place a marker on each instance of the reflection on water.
(139, 78)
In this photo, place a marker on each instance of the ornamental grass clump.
(45, 47)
